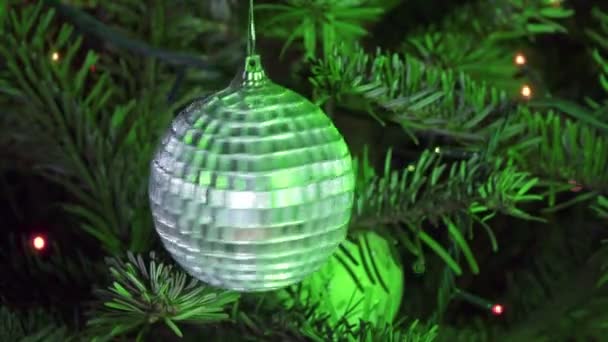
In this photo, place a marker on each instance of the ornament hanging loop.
(254, 74)
(251, 31)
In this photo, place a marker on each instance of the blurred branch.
(31, 326)
(92, 26)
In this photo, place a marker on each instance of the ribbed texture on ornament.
(252, 188)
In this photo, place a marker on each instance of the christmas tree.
(378, 170)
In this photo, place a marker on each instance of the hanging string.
(251, 31)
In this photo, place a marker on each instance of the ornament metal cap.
(253, 74)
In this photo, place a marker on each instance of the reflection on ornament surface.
(252, 188)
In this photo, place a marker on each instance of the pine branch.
(257, 320)
(319, 23)
(99, 148)
(392, 88)
(561, 150)
(418, 192)
(420, 98)
(509, 19)
(60, 270)
(415, 332)
(142, 295)
(595, 114)
(603, 279)
(483, 60)
(599, 36)
(31, 326)
(476, 39)
(435, 192)
(44, 97)
(446, 287)
(90, 25)
(561, 299)
(544, 298)
(601, 208)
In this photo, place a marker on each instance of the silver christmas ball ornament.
(251, 189)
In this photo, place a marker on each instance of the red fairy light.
(498, 309)
(38, 242)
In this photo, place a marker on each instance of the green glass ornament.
(362, 281)
(252, 188)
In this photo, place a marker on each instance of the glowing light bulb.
(38, 242)
(55, 56)
(526, 91)
(497, 309)
(520, 59)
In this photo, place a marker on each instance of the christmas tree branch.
(554, 301)
(319, 23)
(63, 268)
(96, 147)
(436, 192)
(509, 19)
(32, 325)
(563, 152)
(415, 193)
(257, 320)
(599, 36)
(89, 25)
(563, 143)
(391, 88)
(477, 40)
(142, 295)
(419, 98)
(543, 298)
